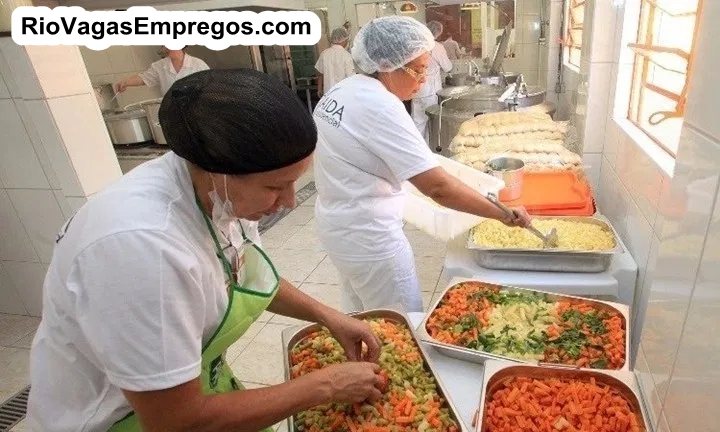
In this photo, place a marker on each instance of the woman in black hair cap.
(154, 278)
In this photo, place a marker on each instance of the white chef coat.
(439, 62)
(367, 147)
(162, 73)
(133, 291)
(427, 95)
(452, 48)
(336, 64)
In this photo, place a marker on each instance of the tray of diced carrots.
(517, 398)
(477, 321)
(413, 400)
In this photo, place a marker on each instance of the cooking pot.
(511, 171)
(105, 96)
(128, 127)
(152, 108)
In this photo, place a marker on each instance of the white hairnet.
(339, 35)
(387, 43)
(436, 28)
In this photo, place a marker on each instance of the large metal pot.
(152, 108)
(512, 172)
(128, 127)
(105, 96)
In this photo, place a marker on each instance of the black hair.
(236, 121)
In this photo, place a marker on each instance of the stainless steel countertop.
(145, 152)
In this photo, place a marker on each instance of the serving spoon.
(550, 240)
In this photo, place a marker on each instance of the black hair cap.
(236, 121)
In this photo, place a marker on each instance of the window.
(575, 17)
(663, 58)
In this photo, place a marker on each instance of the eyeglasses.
(419, 76)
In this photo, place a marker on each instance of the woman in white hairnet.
(335, 63)
(427, 95)
(367, 147)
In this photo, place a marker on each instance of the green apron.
(250, 290)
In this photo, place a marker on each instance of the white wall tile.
(15, 243)
(4, 91)
(694, 392)
(7, 76)
(89, 147)
(645, 279)
(697, 175)
(599, 84)
(11, 302)
(530, 28)
(19, 64)
(41, 216)
(702, 103)
(36, 141)
(60, 70)
(76, 203)
(54, 146)
(121, 59)
(28, 279)
(19, 165)
(144, 56)
(603, 21)
(592, 162)
(611, 144)
(65, 207)
(96, 62)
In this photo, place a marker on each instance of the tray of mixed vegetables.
(413, 400)
(530, 398)
(476, 321)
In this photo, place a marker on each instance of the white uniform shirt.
(162, 73)
(439, 62)
(452, 48)
(336, 64)
(133, 291)
(367, 147)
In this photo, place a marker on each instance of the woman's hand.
(352, 333)
(352, 382)
(121, 86)
(522, 218)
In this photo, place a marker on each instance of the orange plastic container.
(557, 193)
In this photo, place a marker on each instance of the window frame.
(642, 65)
(569, 43)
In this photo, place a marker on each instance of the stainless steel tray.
(292, 336)
(476, 356)
(625, 382)
(548, 260)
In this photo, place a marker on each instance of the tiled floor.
(256, 357)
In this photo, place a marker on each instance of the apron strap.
(219, 251)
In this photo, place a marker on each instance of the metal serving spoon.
(550, 240)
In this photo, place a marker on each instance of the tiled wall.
(669, 217)
(54, 153)
(531, 58)
(116, 63)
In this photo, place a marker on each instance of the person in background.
(335, 63)
(452, 48)
(367, 148)
(427, 95)
(164, 72)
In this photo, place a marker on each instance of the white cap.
(435, 27)
(339, 35)
(388, 43)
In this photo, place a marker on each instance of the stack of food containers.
(551, 362)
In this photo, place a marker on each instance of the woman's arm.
(350, 332)
(133, 81)
(186, 408)
(450, 192)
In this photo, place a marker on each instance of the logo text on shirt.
(330, 111)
